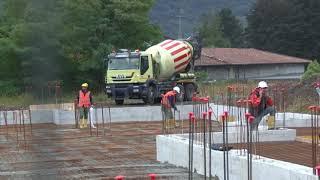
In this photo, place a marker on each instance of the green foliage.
(211, 33)
(286, 26)
(67, 40)
(165, 13)
(312, 70)
(222, 29)
(231, 27)
(201, 76)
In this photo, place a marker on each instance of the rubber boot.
(81, 123)
(167, 123)
(170, 123)
(85, 123)
(271, 122)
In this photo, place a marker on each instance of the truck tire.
(180, 96)
(119, 101)
(189, 91)
(150, 99)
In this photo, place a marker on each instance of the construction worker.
(169, 101)
(261, 105)
(84, 103)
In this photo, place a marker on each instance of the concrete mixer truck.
(148, 74)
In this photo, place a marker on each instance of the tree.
(222, 29)
(211, 33)
(92, 30)
(231, 27)
(68, 39)
(286, 27)
(312, 70)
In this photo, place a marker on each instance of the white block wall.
(174, 150)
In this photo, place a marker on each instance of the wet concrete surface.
(128, 149)
(62, 152)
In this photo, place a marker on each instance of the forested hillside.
(165, 13)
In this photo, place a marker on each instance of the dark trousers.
(84, 112)
(167, 112)
(258, 118)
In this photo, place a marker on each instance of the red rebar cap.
(230, 88)
(204, 100)
(240, 102)
(250, 119)
(119, 177)
(316, 84)
(152, 176)
(210, 112)
(312, 107)
(226, 114)
(247, 115)
(317, 168)
(193, 119)
(190, 115)
(223, 117)
(204, 115)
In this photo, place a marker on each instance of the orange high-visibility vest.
(165, 99)
(84, 99)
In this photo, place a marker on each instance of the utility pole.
(180, 16)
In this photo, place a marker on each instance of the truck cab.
(127, 73)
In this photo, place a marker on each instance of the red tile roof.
(239, 56)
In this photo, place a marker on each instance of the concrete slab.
(174, 150)
(264, 136)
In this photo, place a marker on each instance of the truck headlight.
(107, 87)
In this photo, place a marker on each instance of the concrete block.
(264, 135)
(174, 150)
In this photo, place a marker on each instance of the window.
(123, 63)
(144, 64)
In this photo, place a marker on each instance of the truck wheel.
(190, 90)
(119, 101)
(180, 96)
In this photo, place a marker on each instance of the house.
(244, 64)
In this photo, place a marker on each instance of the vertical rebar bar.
(30, 120)
(97, 120)
(204, 144)
(102, 116)
(210, 141)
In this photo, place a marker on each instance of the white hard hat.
(262, 84)
(176, 89)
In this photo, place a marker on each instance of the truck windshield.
(123, 63)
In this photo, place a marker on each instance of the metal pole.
(97, 120)
(210, 141)
(102, 116)
(204, 114)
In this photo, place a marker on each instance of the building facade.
(246, 64)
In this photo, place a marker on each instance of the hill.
(165, 13)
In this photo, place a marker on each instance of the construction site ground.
(129, 149)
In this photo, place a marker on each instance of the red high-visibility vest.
(84, 99)
(165, 101)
